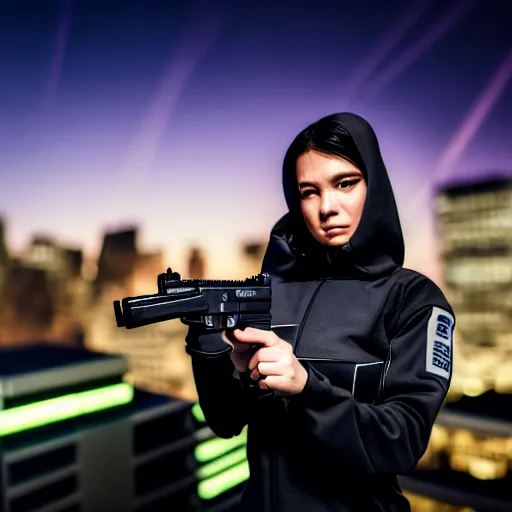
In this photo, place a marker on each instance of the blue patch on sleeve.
(440, 343)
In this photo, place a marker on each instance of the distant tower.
(118, 258)
(75, 260)
(474, 223)
(3, 244)
(43, 252)
(196, 264)
(3, 254)
(253, 253)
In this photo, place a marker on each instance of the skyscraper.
(196, 264)
(158, 361)
(474, 223)
(253, 253)
(3, 253)
(117, 258)
(3, 245)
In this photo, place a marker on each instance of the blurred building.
(474, 223)
(144, 275)
(4, 256)
(468, 463)
(117, 259)
(196, 264)
(42, 292)
(156, 353)
(27, 307)
(252, 257)
(45, 253)
(75, 436)
(69, 291)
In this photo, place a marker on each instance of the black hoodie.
(376, 340)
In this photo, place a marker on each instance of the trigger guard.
(191, 320)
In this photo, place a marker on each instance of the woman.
(358, 361)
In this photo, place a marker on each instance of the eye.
(348, 183)
(307, 193)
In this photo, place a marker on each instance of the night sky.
(176, 115)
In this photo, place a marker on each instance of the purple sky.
(177, 117)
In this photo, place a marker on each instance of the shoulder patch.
(440, 343)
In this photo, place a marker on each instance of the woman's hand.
(242, 352)
(274, 361)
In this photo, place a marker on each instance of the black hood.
(377, 246)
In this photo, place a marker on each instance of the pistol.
(216, 304)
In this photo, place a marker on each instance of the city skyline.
(198, 253)
(176, 118)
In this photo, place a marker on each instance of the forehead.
(318, 165)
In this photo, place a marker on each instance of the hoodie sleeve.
(224, 401)
(391, 437)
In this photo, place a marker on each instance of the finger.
(239, 361)
(242, 348)
(252, 335)
(237, 346)
(265, 354)
(225, 338)
(276, 382)
(267, 369)
(262, 384)
(228, 336)
(255, 374)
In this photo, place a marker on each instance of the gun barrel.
(133, 312)
(215, 303)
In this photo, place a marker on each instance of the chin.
(334, 241)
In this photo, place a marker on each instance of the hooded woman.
(350, 379)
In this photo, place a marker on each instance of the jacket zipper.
(306, 314)
(299, 335)
(272, 457)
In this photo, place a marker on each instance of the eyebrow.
(335, 178)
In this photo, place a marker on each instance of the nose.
(327, 207)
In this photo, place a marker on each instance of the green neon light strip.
(222, 463)
(64, 407)
(219, 484)
(218, 446)
(198, 414)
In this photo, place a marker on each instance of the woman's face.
(333, 192)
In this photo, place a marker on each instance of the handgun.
(216, 304)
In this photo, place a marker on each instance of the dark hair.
(327, 135)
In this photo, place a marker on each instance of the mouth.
(333, 231)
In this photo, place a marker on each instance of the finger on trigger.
(255, 374)
(225, 338)
(255, 336)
